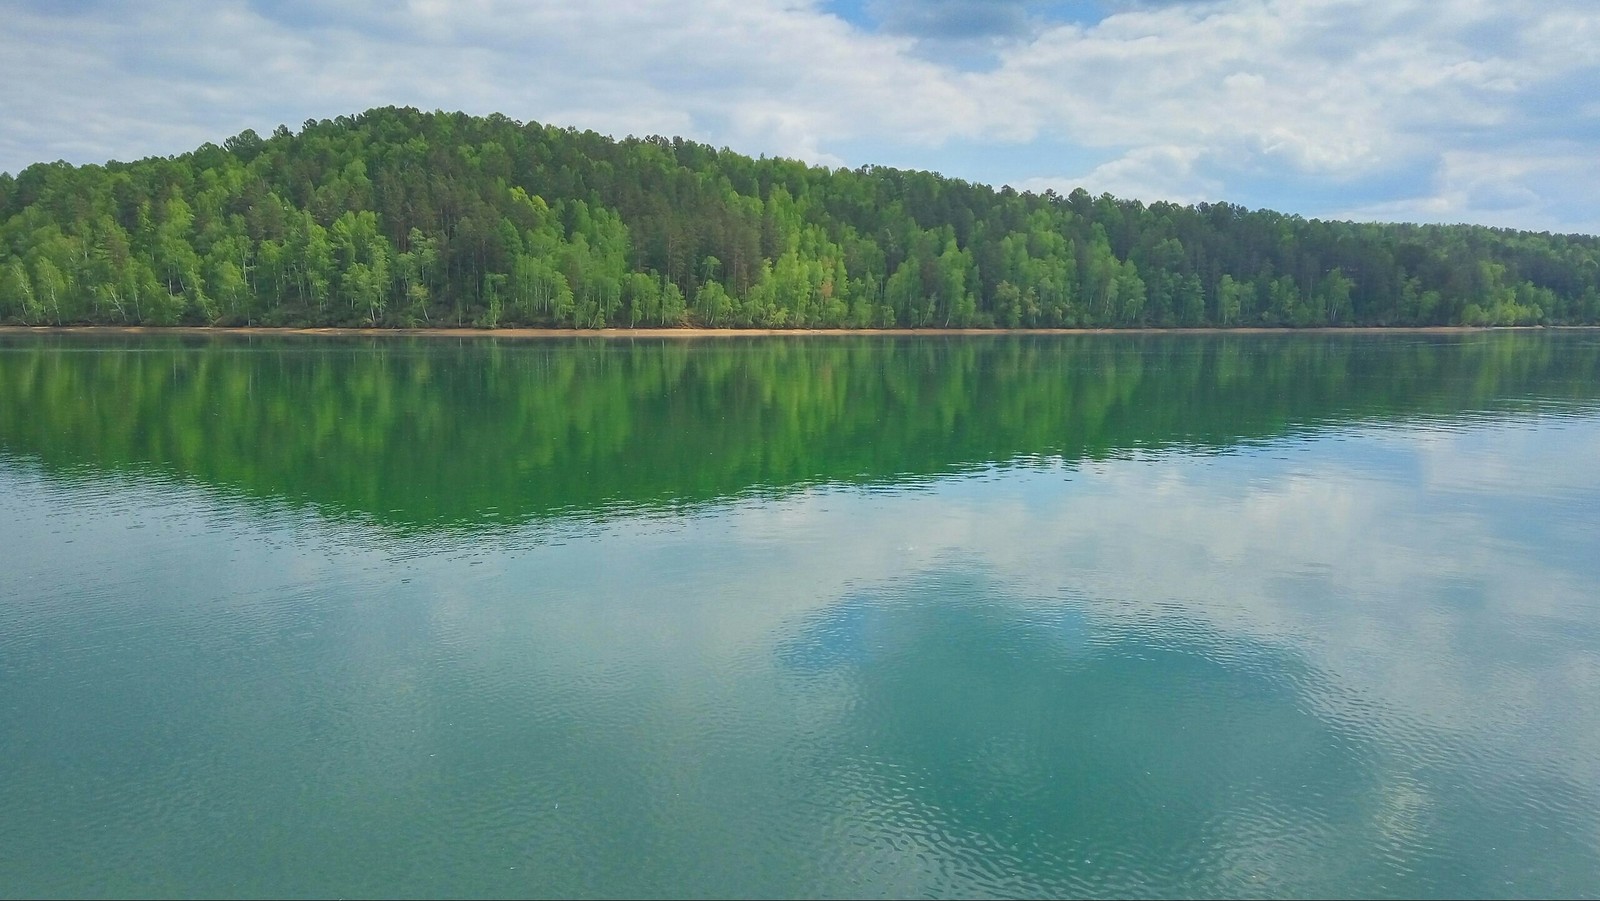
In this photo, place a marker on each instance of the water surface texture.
(1211, 615)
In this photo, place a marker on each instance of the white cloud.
(1528, 190)
(1204, 100)
(768, 76)
(1163, 172)
(1322, 87)
(1243, 100)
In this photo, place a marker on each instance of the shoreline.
(697, 332)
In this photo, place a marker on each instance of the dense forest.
(401, 218)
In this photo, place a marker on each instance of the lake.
(1011, 616)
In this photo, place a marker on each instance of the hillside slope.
(397, 217)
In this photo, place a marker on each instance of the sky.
(1391, 110)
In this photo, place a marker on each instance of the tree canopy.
(397, 217)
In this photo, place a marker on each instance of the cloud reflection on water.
(1374, 642)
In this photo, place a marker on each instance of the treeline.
(401, 218)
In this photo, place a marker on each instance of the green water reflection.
(1176, 616)
(430, 433)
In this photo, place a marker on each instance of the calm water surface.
(1177, 616)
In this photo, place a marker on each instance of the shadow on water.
(424, 435)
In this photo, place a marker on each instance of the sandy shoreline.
(736, 332)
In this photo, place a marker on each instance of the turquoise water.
(1119, 616)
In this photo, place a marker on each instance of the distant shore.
(446, 332)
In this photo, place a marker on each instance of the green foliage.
(397, 218)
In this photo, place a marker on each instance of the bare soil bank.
(733, 332)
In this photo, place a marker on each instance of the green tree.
(17, 298)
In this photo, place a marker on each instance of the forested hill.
(397, 217)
